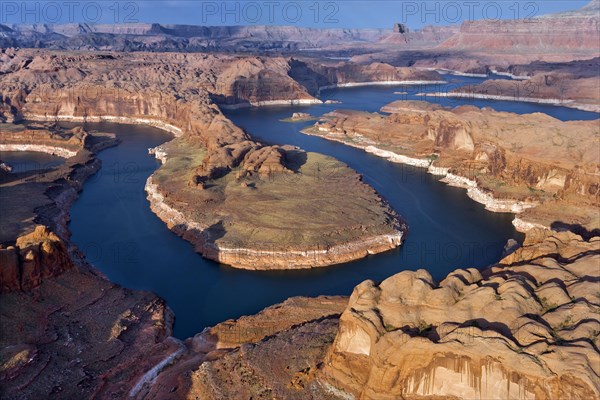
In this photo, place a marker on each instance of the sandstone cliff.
(64, 144)
(146, 89)
(573, 84)
(177, 93)
(38, 255)
(484, 45)
(549, 34)
(66, 331)
(524, 329)
(508, 162)
(35, 204)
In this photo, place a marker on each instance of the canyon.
(503, 160)
(412, 337)
(192, 38)
(525, 327)
(61, 87)
(503, 45)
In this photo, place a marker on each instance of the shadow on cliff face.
(295, 159)
(575, 228)
(216, 231)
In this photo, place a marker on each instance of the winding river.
(113, 225)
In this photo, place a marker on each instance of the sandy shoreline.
(554, 102)
(152, 122)
(54, 150)
(378, 83)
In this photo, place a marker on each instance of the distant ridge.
(592, 9)
(166, 37)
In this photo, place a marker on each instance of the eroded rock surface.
(526, 328)
(485, 45)
(79, 336)
(273, 354)
(508, 162)
(570, 84)
(178, 92)
(37, 255)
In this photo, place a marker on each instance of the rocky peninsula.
(226, 166)
(505, 161)
(526, 327)
(280, 208)
(569, 84)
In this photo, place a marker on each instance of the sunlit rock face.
(504, 160)
(506, 332)
(37, 255)
(574, 31)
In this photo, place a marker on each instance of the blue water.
(113, 225)
(25, 161)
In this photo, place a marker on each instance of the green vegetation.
(432, 157)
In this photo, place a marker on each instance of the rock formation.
(191, 38)
(144, 89)
(482, 45)
(526, 328)
(39, 138)
(401, 28)
(572, 84)
(66, 331)
(506, 332)
(506, 161)
(275, 210)
(79, 336)
(553, 34)
(159, 37)
(40, 254)
(249, 346)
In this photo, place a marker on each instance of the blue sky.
(335, 14)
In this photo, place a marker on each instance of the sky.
(311, 13)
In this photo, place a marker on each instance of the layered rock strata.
(146, 90)
(568, 88)
(66, 331)
(502, 161)
(35, 256)
(40, 139)
(526, 328)
(486, 45)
